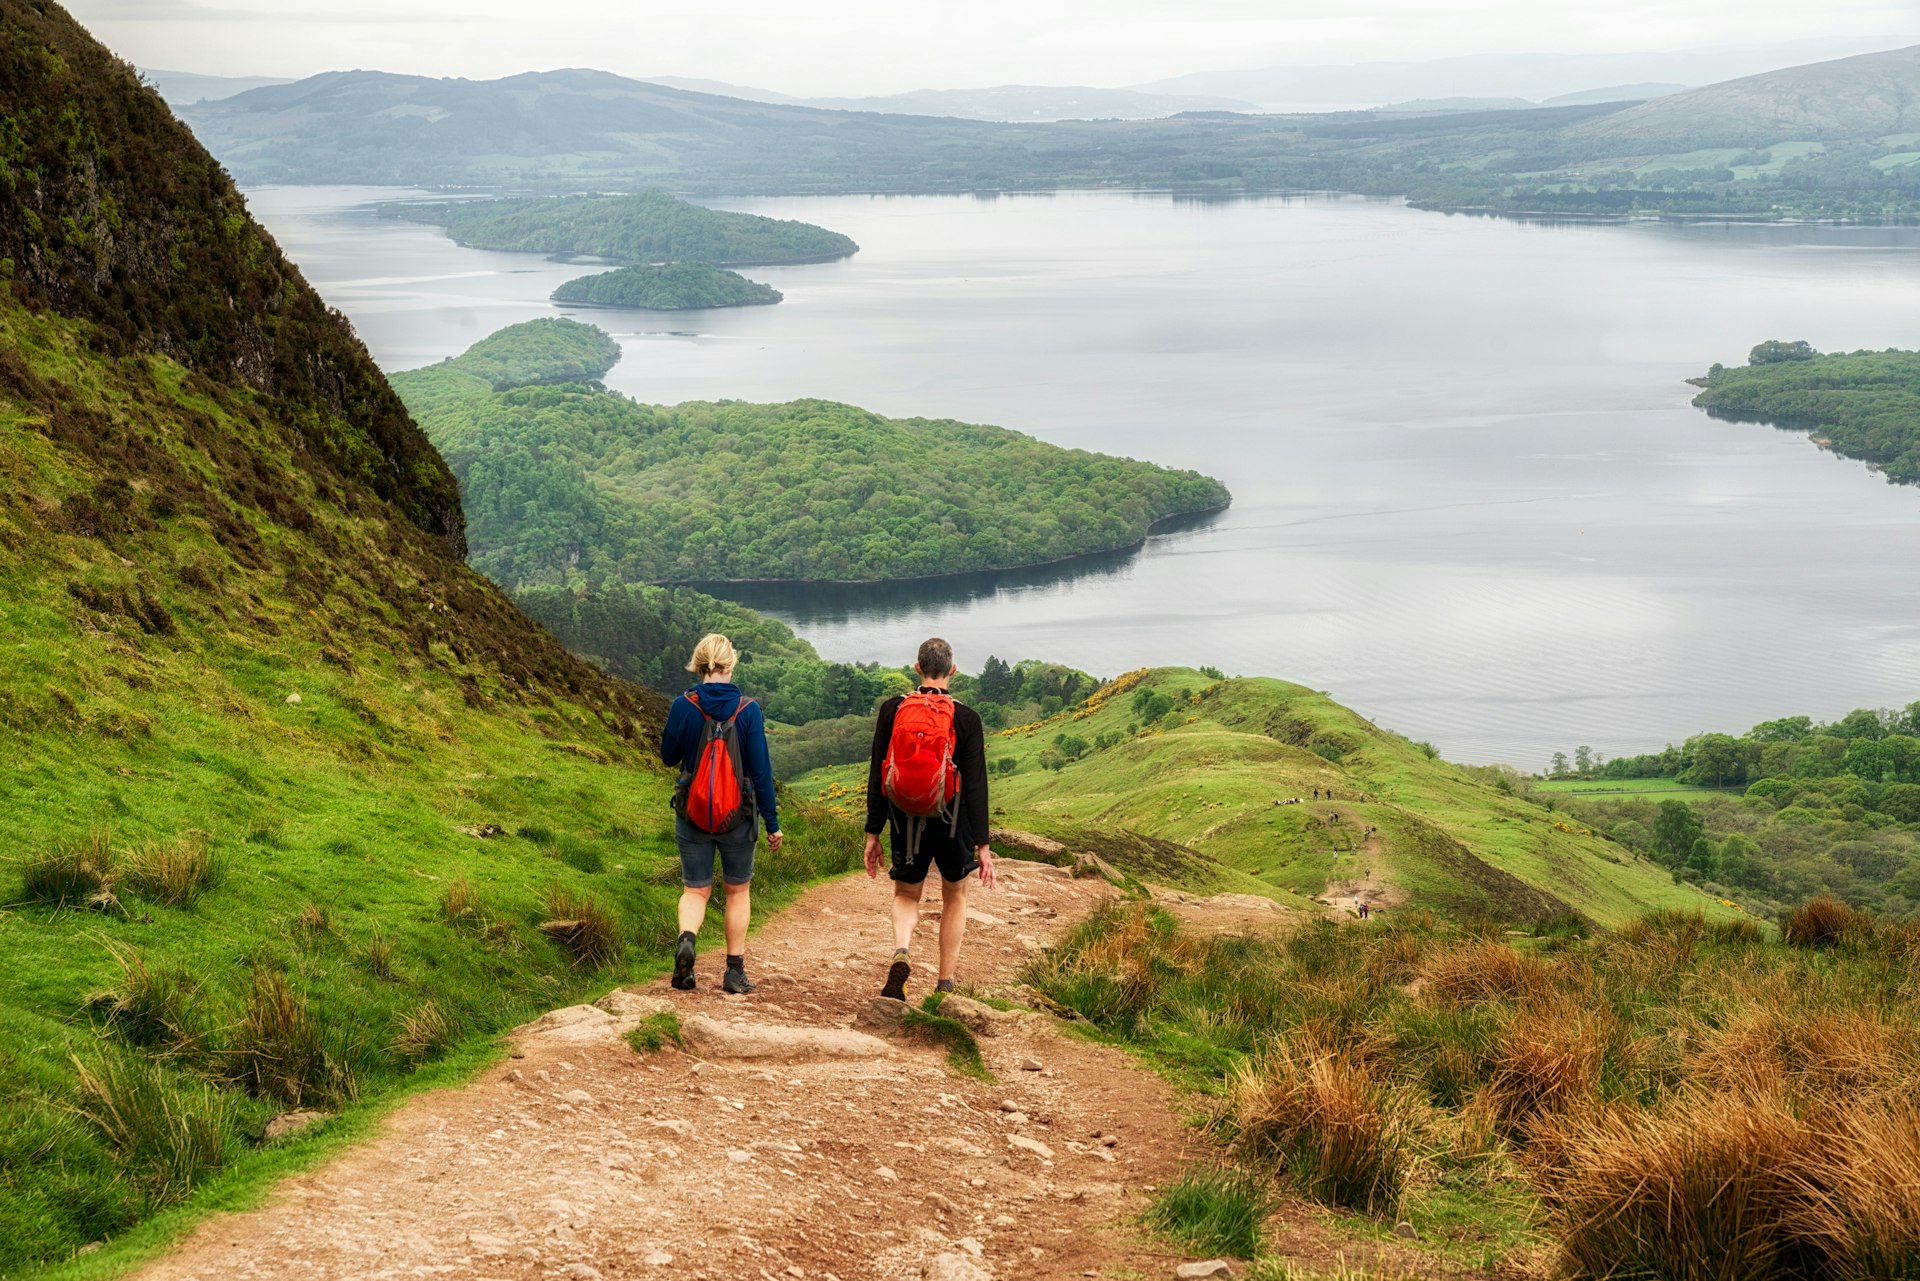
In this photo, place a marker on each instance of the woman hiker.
(716, 702)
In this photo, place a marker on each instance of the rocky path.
(782, 1143)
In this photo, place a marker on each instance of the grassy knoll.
(1182, 757)
(1680, 1098)
(1625, 786)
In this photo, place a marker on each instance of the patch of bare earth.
(783, 1143)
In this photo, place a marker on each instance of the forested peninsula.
(570, 483)
(674, 286)
(1863, 404)
(650, 227)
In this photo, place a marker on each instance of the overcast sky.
(847, 47)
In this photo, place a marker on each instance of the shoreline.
(1157, 527)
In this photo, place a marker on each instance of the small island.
(1863, 404)
(650, 227)
(674, 286)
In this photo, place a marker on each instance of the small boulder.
(956, 1267)
(881, 1014)
(718, 1040)
(1021, 1143)
(288, 1124)
(979, 1018)
(1201, 1271)
(1405, 1232)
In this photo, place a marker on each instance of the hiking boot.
(737, 982)
(946, 985)
(683, 963)
(897, 975)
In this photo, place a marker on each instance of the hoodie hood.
(718, 699)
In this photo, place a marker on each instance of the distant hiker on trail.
(1363, 909)
(719, 742)
(927, 785)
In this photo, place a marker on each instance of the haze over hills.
(999, 102)
(1868, 96)
(180, 88)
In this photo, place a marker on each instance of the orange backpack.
(918, 774)
(716, 798)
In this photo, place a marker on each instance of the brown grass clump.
(72, 874)
(1483, 971)
(460, 906)
(1875, 1179)
(278, 1051)
(164, 1136)
(175, 872)
(1548, 1061)
(380, 959)
(585, 924)
(1839, 1056)
(1819, 922)
(421, 1033)
(1740, 931)
(314, 921)
(1341, 1135)
(1394, 958)
(1708, 1189)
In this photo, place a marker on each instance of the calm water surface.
(1471, 499)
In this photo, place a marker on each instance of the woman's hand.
(872, 855)
(775, 840)
(987, 874)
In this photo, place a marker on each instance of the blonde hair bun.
(714, 653)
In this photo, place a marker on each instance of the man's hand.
(775, 840)
(985, 854)
(872, 853)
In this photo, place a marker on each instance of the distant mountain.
(1615, 93)
(1462, 104)
(182, 87)
(1037, 103)
(1868, 96)
(1533, 76)
(749, 93)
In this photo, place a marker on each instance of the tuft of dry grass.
(175, 872)
(1483, 970)
(278, 1050)
(380, 959)
(314, 922)
(1342, 1135)
(73, 873)
(460, 906)
(1819, 922)
(1549, 1060)
(421, 1033)
(584, 924)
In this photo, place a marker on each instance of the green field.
(1206, 775)
(1628, 787)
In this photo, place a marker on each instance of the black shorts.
(954, 857)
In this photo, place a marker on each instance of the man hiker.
(927, 786)
(725, 790)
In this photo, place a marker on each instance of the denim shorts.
(698, 849)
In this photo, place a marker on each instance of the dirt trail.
(582, 1158)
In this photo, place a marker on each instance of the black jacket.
(969, 753)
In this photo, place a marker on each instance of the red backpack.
(716, 797)
(918, 774)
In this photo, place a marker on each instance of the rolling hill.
(1179, 777)
(1869, 96)
(289, 791)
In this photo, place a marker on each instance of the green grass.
(1204, 779)
(654, 1032)
(1627, 786)
(1214, 1211)
(288, 903)
(963, 1051)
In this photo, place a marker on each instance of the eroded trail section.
(784, 1142)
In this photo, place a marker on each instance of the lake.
(1470, 497)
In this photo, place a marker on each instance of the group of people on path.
(926, 789)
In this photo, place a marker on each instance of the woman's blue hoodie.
(680, 740)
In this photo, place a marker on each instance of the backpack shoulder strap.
(745, 703)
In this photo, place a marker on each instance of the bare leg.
(953, 924)
(906, 913)
(693, 908)
(739, 910)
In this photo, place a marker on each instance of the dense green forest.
(676, 286)
(1806, 809)
(1865, 404)
(649, 227)
(572, 484)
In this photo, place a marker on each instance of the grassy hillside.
(1179, 756)
(289, 791)
(580, 486)
(649, 227)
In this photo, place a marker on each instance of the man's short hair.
(936, 658)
